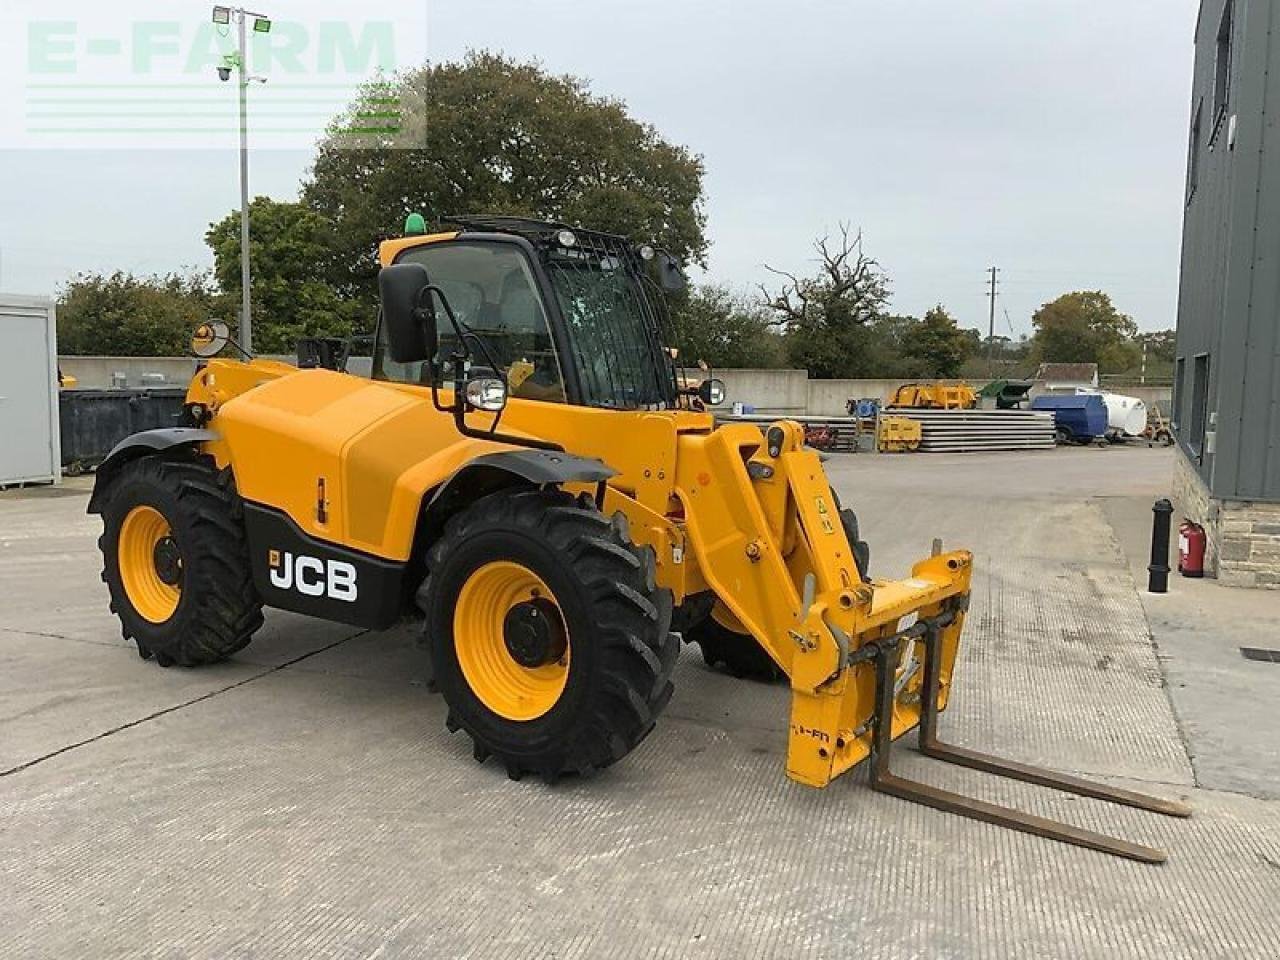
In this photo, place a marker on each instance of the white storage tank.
(30, 448)
(1126, 415)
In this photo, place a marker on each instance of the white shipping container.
(30, 444)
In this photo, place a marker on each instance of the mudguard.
(540, 467)
(141, 445)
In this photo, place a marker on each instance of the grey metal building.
(1227, 378)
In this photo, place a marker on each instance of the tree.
(713, 324)
(936, 346)
(1162, 345)
(491, 135)
(288, 255)
(1085, 327)
(128, 316)
(825, 316)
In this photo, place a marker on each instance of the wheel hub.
(168, 561)
(534, 634)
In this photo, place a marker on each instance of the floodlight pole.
(246, 307)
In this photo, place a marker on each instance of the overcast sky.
(1045, 137)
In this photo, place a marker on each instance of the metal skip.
(885, 781)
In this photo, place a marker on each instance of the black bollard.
(1158, 581)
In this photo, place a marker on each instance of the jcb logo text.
(312, 577)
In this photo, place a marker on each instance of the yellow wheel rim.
(511, 641)
(150, 566)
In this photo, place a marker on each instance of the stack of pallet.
(962, 431)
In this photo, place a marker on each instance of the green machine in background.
(1008, 394)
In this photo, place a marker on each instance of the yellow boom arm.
(766, 535)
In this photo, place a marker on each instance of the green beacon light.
(415, 225)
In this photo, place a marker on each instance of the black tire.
(738, 654)
(218, 609)
(861, 549)
(618, 679)
(695, 609)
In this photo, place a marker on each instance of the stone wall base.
(1244, 536)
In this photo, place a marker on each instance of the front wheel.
(176, 563)
(550, 639)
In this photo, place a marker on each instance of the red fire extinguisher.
(1191, 547)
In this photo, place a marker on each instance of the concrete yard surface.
(305, 799)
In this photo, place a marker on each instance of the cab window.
(491, 290)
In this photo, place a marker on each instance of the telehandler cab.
(526, 469)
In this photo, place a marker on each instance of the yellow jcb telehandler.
(525, 471)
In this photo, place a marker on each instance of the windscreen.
(613, 331)
(492, 292)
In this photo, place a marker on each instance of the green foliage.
(127, 316)
(492, 135)
(1085, 327)
(938, 346)
(288, 254)
(714, 325)
(1162, 345)
(932, 348)
(826, 316)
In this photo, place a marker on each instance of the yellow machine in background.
(526, 471)
(933, 396)
(898, 434)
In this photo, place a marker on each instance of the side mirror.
(670, 274)
(711, 392)
(487, 393)
(209, 339)
(408, 312)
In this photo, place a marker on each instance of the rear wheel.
(725, 644)
(175, 562)
(728, 647)
(550, 639)
(861, 549)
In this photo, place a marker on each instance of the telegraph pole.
(991, 328)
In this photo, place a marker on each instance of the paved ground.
(305, 799)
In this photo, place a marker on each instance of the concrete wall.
(790, 392)
(783, 392)
(829, 398)
(96, 372)
(769, 391)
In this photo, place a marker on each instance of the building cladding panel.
(1229, 300)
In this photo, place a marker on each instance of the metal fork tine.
(1014, 819)
(931, 746)
(1051, 778)
(884, 780)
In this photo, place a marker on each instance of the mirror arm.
(459, 407)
